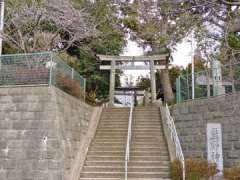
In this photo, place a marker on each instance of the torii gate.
(153, 63)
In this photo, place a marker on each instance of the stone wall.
(40, 132)
(191, 119)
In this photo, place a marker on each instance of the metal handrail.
(127, 152)
(176, 141)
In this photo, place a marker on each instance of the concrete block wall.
(40, 131)
(73, 117)
(191, 120)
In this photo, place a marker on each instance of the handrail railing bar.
(175, 139)
(26, 54)
(129, 137)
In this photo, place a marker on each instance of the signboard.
(214, 145)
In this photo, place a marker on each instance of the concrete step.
(107, 125)
(153, 136)
(132, 153)
(163, 174)
(147, 140)
(115, 115)
(149, 135)
(132, 158)
(115, 119)
(113, 174)
(105, 158)
(150, 124)
(122, 179)
(112, 130)
(163, 148)
(116, 111)
(107, 144)
(122, 168)
(124, 139)
(113, 122)
(109, 140)
(146, 110)
(116, 132)
(145, 145)
(149, 158)
(147, 107)
(134, 130)
(134, 126)
(106, 153)
(149, 153)
(120, 147)
(121, 138)
(111, 109)
(104, 174)
(146, 120)
(108, 113)
(149, 115)
(104, 148)
(131, 163)
(132, 144)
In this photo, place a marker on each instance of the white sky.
(132, 49)
(181, 57)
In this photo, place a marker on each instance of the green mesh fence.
(40, 69)
(208, 83)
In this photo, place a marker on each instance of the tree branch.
(231, 3)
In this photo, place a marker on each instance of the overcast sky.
(181, 57)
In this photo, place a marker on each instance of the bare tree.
(45, 25)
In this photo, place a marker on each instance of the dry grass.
(70, 86)
(195, 170)
(232, 173)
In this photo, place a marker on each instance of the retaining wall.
(41, 129)
(191, 119)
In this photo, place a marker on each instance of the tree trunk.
(235, 27)
(165, 79)
(167, 87)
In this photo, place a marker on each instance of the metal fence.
(41, 69)
(215, 81)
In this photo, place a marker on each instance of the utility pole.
(1, 25)
(193, 77)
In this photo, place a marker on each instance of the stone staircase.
(149, 157)
(148, 154)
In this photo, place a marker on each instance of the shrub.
(91, 99)
(70, 86)
(232, 173)
(195, 170)
(176, 170)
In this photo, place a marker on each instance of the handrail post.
(72, 73)
(51, 69)
(84, 89)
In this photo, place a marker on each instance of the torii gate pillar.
(112, 83)
(153, 82)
